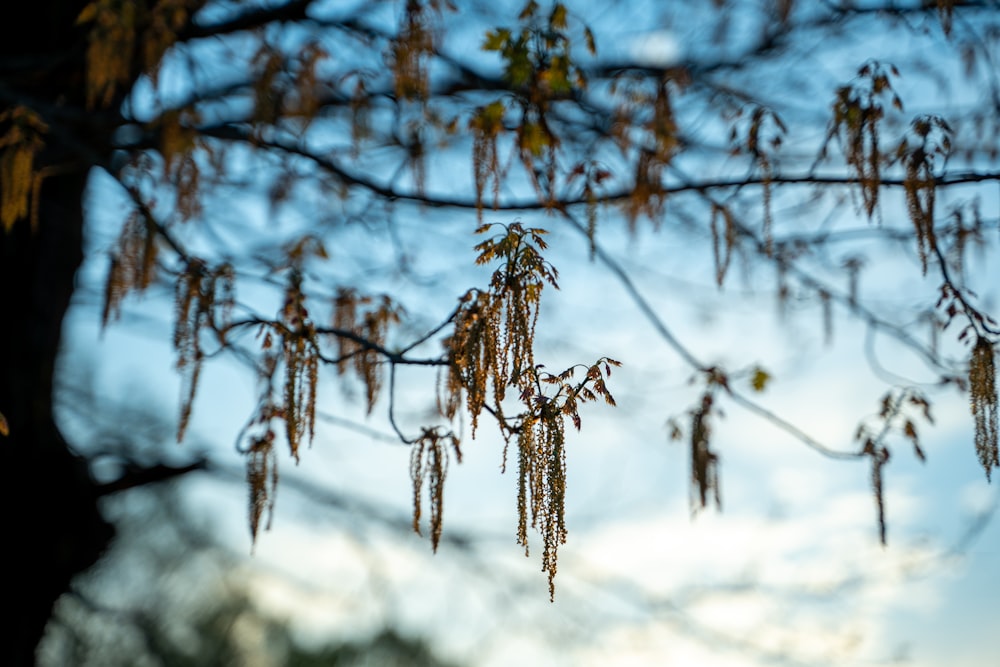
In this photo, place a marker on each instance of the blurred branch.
(136, 475)
(251, 19)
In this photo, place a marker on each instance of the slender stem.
(687, 356)
(392, 406)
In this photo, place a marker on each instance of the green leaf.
(558, 18)
(519, 66)
(533, 139)
(495, 39)
(759, 379)
(493, 112)
(557, 75)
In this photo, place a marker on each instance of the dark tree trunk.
(53, 528)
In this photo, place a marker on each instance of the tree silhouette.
(348, 119)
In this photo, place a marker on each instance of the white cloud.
(657, 48)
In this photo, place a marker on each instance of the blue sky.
(790, 565)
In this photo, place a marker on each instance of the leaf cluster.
(894, 416)
(857, 112)
(549, 400)
(203, 301)
(983, 403)
(21, 138)
(126, 37)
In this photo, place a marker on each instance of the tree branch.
(136, 476)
